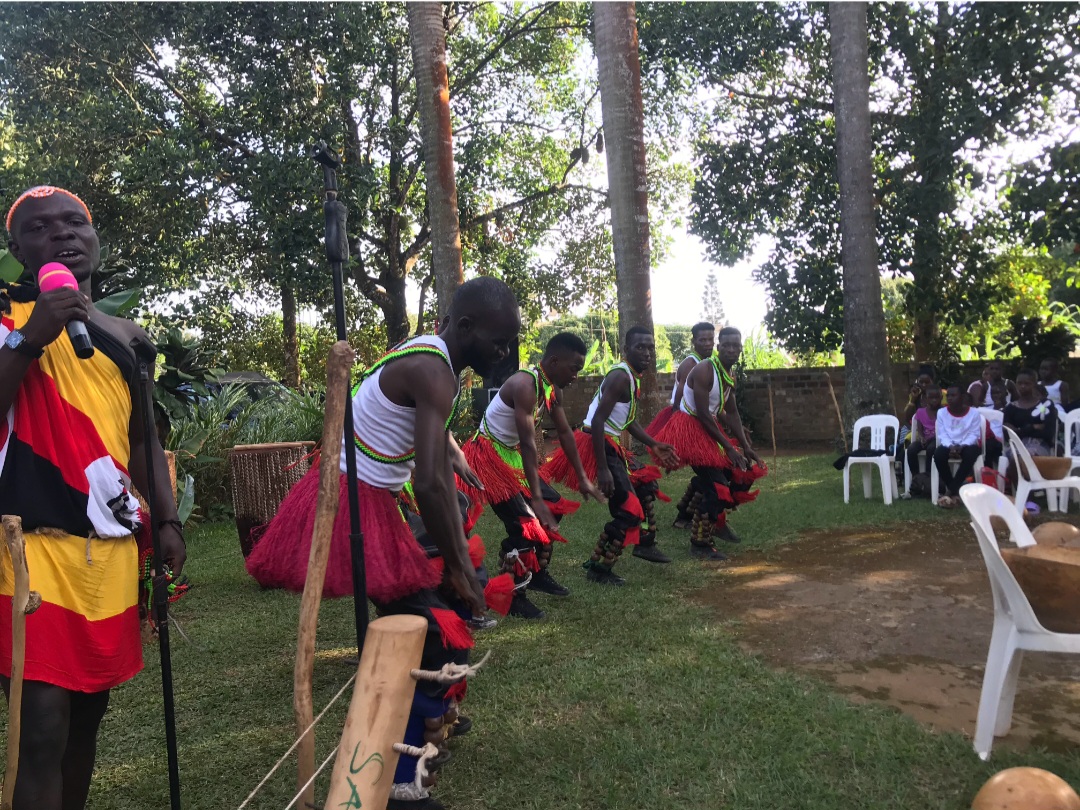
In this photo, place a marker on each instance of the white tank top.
(718, 393)
(675, 388)
(624, 413)
(499, 422)
(385, 431)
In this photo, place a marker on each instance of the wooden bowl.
(1026, 789)
(1053, 468)
(1050, 578)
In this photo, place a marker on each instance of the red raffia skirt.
(501, 480)
(558, 467)
(395, 564)
(696, 448)
(658, 422)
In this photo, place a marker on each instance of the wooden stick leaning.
(772, 425)
(839, 414)
(339, 364)
(23, 603)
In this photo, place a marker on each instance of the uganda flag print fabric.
(64, 454)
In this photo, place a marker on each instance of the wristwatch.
(16, 341)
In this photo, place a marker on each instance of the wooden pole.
(381, 702)
(772, 425)
(23, 603)
(839, 414)
(339, 363)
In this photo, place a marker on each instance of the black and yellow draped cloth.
(64, 455)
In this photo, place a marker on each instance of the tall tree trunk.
(428, 40)
(291, 340)
(616, 46)
(867, 389)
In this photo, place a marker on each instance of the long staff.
(146, 354)
(337, 252)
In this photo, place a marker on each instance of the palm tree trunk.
(615, 27)
(867, 389)
(428, 39)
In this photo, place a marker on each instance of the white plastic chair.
(1070, 423)
(916, 435)
(935, 476)
(1015, 626)
(878, 425)
(996, 417)
(1029, 478)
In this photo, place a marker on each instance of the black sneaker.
(683, 522)
(602, 575)
(417, 804)
(545, 583)
(521, 607)
(650, 553)
(461, 726)
(478, 623)
(727, 533)
(709, 552)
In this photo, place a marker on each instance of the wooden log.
(23, 602)
(366, 760)
(339, 363)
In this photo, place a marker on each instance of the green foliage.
(712, 308)
(183, 371)
(761, 351)
(950, 82)
(663, 349)
(10, 269)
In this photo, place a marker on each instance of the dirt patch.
(899, 615)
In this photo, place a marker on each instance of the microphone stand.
(145, 355)
(337, 251)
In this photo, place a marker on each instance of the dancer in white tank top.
(725, 467)
(503, 454)
(402, 410)
(629, 486)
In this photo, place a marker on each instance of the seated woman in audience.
(1032, 417)
(995, 436)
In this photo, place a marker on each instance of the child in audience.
(958, 434)
(924, 441)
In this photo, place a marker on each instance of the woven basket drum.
(262, 475)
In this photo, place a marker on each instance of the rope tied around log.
(450, 673)
(416, 791)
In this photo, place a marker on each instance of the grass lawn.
(621, 698)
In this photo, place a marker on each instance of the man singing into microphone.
(70, 448)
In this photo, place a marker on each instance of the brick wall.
(804, 411)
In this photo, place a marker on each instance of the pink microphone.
(55, 276)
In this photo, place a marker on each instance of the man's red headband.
(44, 191)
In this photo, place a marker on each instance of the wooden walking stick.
(772, 424)
(839, 415)
(339, 364)
(23, 603)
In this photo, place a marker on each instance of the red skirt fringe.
(695, 447)
(658, 422)
(563, 507)
(395, 565)
(558, 467)
(499, 593)
(501, 481)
